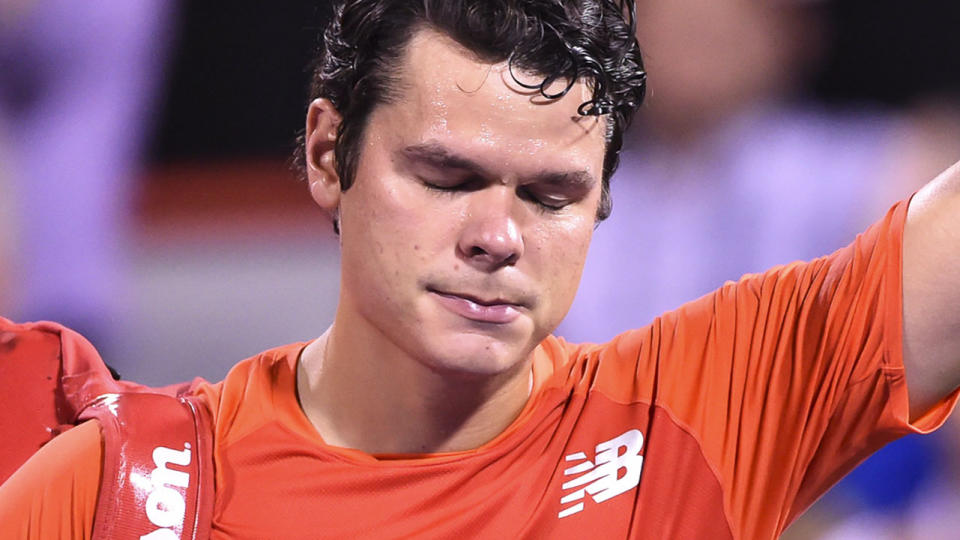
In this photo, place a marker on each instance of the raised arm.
(931, 292)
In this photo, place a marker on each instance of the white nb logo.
(602, 479)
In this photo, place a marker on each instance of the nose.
(491, 237)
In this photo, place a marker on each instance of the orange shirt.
(54, 494)
(725, 418)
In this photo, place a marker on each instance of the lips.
(495, 311)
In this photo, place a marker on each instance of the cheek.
(400, 227)
(573, 260)
(563, 250)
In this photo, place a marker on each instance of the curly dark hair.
(357, 67)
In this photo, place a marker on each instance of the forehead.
(448, 94)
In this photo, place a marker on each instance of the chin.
(477, 356)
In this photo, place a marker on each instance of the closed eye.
(553, 202)
(452, 183)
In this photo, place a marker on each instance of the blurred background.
(146, 200)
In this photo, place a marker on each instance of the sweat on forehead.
(430, 51)
(439, 75)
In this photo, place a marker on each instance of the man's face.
(465, 231)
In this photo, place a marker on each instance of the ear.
(323, 119)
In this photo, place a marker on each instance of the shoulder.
(250, 392)
(254, 373)
(54, 494)
(619, 368)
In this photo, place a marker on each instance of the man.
(463, 151)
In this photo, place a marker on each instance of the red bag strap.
(157, 480)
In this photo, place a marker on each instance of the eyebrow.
(441, 157)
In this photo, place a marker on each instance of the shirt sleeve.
(792, 377)
(54, 494)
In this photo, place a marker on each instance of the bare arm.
(931, 292)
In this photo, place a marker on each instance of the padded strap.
(157, 478)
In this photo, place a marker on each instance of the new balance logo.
(615, 470)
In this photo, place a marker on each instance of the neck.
(362, 393)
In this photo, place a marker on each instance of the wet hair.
(358, 65)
